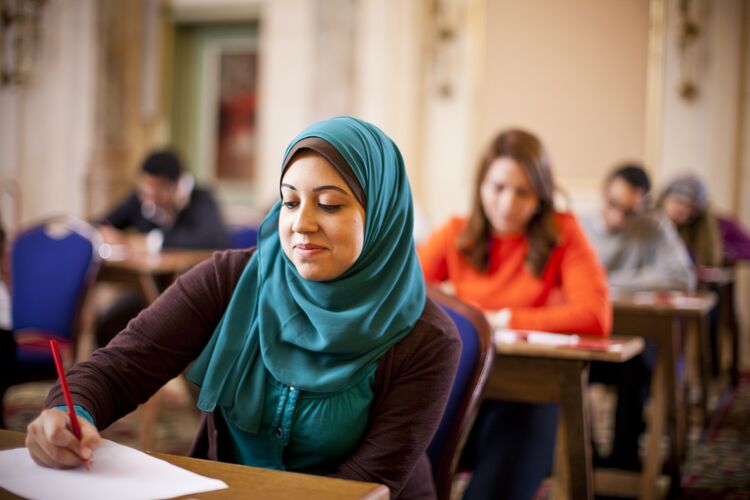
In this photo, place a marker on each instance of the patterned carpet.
(718, 466)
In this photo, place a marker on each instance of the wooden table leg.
(666, 400)
(703, 333)
(86, 335)
(564, 382)
(149, 415)
(675, 400)
(152, 407)
(733, 328)
(655, 426)
(148, 287)
(573, 468)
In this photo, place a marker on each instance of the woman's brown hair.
(527, 150)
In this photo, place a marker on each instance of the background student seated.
(166, 203)
(639, 247)
(641, 251)
(165, 210)
(529, 267)
(685, 202)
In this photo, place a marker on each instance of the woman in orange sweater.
(528, 267)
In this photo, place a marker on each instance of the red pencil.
(66, 390)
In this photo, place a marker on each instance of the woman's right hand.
(498, 319)
(51, 441)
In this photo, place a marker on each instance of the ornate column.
(122, 132)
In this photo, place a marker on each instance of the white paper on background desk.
(118, 472)
(534, 337)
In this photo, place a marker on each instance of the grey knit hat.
(690, 187)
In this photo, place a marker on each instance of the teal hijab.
(319, 336)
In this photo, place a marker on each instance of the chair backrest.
(243, 236)
(474, 366)
(53, 264)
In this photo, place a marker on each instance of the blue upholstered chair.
(474, 366)
(52, 267)
(243, 236)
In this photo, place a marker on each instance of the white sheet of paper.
(118, 472)
(552, 338)
(506, 336)
(534, 337)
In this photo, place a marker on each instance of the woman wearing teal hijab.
(315, 352)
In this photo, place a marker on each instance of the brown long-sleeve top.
(412, 382)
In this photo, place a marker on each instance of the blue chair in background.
(474, 367)
(52, 266)
(243, 236)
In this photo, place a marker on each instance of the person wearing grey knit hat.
(684, 198)
(685, 202)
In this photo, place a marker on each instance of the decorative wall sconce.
(20, 39)
(690, 36)
(446, 16)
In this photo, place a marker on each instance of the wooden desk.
(538, 373)
(662, 317)
(146, 270)
(251, 482)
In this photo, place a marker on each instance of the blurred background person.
(528, 267)
(165, 210)
(166, 204)
(640, 250)
(685, 202)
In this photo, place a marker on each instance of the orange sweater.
(570, 297)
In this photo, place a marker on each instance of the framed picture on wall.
(236, 142)
(214, 118)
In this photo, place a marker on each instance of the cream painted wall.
(574, 73)
(388, 65)
(743, 204)
(448, 163)
(286, 105)
(9, 157)
(700, 136)
(45, 126)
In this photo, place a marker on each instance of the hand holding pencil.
(51, 441)
(58, 439)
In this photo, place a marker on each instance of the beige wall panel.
(573, 72)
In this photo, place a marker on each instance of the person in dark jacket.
(166, 211)
(167, 205)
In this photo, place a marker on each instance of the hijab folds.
(319, 336)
